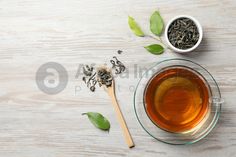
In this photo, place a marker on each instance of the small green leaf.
(155, 49)
(98, 120)
(135, 27)
(156, 23)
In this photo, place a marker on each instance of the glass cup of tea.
(177, 101)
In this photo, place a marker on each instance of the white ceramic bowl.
(199, 30)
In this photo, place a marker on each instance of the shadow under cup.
(177, 101)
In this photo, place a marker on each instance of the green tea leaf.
(156, 23)
(98, 120)
(155, 49)
(135, 27)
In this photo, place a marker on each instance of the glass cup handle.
(217, 101)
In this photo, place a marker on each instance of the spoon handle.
(121, 119)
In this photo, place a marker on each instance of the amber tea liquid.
(177, 99)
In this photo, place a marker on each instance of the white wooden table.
(75, 32)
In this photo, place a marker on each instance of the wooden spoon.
(111, 93)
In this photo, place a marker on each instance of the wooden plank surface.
(75, 32)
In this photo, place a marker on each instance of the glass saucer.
(193, 135)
